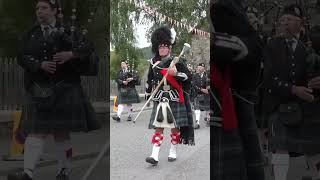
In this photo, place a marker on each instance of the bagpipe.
(76, 35)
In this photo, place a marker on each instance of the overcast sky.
(140, 34)
(140, 30)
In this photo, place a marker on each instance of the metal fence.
(12, 89)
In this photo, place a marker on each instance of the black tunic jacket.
(281, 72)
(36, 49)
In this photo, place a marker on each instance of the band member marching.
(127, 93)
(171, 102)
(53, 58)
(201, 86)
(235, 69)
(291, 107)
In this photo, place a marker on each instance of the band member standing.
(202, 98)
(289, 97)
(234, 78)
(52, 58)
(171, 102)
(127, 93)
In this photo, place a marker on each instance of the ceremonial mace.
(186, 48)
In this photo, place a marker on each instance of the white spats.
(64, 154)
(173, 151)
(33, 149)
(198, 114)
(155, 152)
(120, 110)
(129, 109)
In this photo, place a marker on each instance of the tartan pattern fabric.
(72, 112)
(303, 139)
(157, 139)
(175, 138)
(130, 97)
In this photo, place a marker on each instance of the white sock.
(173, 151)
(120, 110)
(198, 114)
(280, 164)
(129, 109)
(208, 115)
(155, 152)
(64, 154)
(33, 149)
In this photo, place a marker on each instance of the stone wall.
(200, 51)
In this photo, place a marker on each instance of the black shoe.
(62, 175)
(19, 176)
(116, 118)
(151, 161)
(129, 118)
(171, 159)
(197, 126)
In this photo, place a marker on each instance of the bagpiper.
(201, 87)
(171, 109)
(127, 94)
(53, 58)
(234, 75)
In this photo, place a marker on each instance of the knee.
(175, 130)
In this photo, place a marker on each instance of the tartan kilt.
(228, 158)
(71, 112)
(202, 103)
(302, 139)
(179, 112)
(129, 97)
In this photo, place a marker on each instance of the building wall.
(200, 50)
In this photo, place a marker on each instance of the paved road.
(131, 144)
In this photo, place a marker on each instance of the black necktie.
(290, 46)
(46, 32)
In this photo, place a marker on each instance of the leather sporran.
(123, 92)
(44, 97)
(290, 114)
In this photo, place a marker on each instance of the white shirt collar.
(52, 25)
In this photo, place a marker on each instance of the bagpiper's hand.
(63, 57)
(172, 71)
(130, 79)
(205, 91)
(314, 83)
(125, 82)
(303, 93)
(49, 66)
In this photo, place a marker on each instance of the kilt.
(237, 154)
(303, 139)
(179, 112)
(71, 112)
(202, 102)
(127, 96)
(227, 160)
